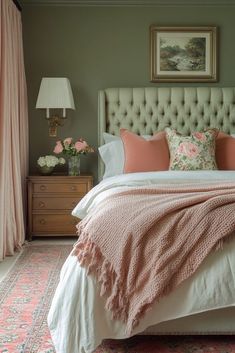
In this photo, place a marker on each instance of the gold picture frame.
(183, 54)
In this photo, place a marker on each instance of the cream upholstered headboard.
(151, 109)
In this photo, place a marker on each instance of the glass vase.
(74, 165)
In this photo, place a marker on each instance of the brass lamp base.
(53, 131)
(54, 122)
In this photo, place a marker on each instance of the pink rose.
(85, 143)
(188, 149)
(80, 145)
(68, 140)
(192, 150)
(200, 136)
(58, 148)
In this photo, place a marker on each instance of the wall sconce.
(55, 93)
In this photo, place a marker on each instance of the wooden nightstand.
(50, 202)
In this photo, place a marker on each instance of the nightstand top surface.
(60, 176)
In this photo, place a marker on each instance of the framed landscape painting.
(183, 54)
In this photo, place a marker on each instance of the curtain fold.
(13, 131)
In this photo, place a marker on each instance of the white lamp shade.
(55, 92)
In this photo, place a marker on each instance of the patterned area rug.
(25, 297)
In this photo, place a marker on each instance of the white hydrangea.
(41, 161)
(50, 161)
(62, 160)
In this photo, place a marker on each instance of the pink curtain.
(13, 131)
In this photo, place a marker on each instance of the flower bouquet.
(73, 150)
(46, 164)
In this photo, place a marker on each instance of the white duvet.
(77, 319)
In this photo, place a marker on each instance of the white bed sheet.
(77, 319)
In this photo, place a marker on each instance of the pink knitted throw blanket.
(141, 244)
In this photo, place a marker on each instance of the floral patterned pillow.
(194, 152)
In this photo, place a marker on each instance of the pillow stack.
(167, 150)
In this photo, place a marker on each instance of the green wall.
(100, 47)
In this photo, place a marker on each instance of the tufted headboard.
(151, 109)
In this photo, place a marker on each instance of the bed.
(203, 303)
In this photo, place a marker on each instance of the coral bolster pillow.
(225, 151)
(144, 155)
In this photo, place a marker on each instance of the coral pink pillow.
(225, 151)
(144, 155)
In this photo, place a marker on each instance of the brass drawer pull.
(73, 188)
(42, 221)
(42, 187)
(41, 204)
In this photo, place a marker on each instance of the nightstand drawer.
(51, 200)
(55, 203)
(54, 223)
(60, 187)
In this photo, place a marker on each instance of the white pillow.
(110, 138)
(112, 154)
